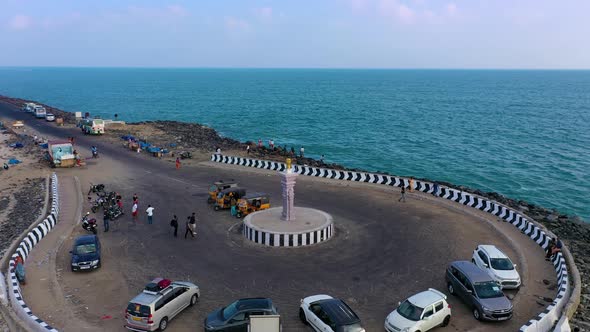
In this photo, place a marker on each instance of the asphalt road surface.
(383, 250)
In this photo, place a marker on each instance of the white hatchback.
(50, 117)
(492, 260)
(420, 312)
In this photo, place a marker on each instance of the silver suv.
(158, 303)
(478, 290)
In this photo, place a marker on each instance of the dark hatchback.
(236, 316)
(86, 253)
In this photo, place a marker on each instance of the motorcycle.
(97, 189)
(114, 212)
(89, 224)
(94, 154)
(97, 204)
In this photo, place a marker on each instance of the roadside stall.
(61, 154)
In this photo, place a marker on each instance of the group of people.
(435, 189)
(191, 225)
(271, 145)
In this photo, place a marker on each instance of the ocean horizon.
(523, 133)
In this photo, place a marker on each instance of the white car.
(327, 314)
(497, 265)
(420, 312)
(50, 117)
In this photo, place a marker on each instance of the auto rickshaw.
(252, 202)
(219, 186)
(223, 200)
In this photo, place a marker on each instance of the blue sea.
(524, 134)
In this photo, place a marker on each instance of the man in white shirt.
(134, 210)
(150, 214)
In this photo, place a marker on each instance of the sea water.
(524, 134)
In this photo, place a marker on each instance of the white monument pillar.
(288, 185)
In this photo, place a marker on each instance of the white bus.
(29, 107)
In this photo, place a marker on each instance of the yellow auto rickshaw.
(219, 186)
(224, 197)
(252, 202)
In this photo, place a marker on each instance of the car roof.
(425, 298)
(147, 298)
(233, 189)
(254, 303)
(338, 311)
(85, 239)
(492, 251)
(474, 273)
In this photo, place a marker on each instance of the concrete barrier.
(31, 239)
(546, 320)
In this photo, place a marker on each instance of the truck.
(39, 111)
(61, 154)
(92, 126)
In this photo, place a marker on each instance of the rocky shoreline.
(182, 136)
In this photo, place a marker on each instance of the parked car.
(236, 316)
(86, 253)
(49, 117)
(158, 303)
(478, 290)
(421, 312)
(325, 313)
(497, 265)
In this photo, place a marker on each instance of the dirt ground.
(383, 251)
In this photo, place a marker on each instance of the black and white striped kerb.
(25, 247)
(477, 202)
(273, 239)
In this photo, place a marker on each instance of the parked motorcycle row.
(109, 202)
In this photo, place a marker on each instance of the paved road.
(383, 251)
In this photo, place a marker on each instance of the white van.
(29, 107)
(39, 111)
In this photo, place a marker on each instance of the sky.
(487, 34)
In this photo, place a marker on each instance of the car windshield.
(138, 310)
(502, 264)
(410, 311)
(87, 248)
(489, 289)
(230, 310)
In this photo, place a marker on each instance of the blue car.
(86, 253)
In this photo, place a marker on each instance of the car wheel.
(451, 289)
(194, 300)
(302, 316)
(476, 314)
(446, 321)
(163, 324)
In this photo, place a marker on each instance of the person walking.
(135, 198)
(105, 221)
(177, 162)
(301, 152)
(174, 223)
(134, 210)
(191, 226)
(411, 187)
(150, 214)
(403, 197)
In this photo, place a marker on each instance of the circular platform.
(310, 226)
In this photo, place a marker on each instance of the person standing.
(271, 144)
(177, 162)
(248, 149)
(135, 198)
(150, 214)
(435, 189)
(260, 142)
(322, 159)
(105, 221)
(411, 184)
(174, 223)
(403, 197)
(301, 152)
(233, 203)
(134, 210)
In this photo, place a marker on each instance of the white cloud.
(20, 22)
(451, 9)
(264, 13)
(396, 10)
(236, 24)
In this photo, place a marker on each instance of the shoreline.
(202, 139)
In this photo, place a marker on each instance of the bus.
(92, 126)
